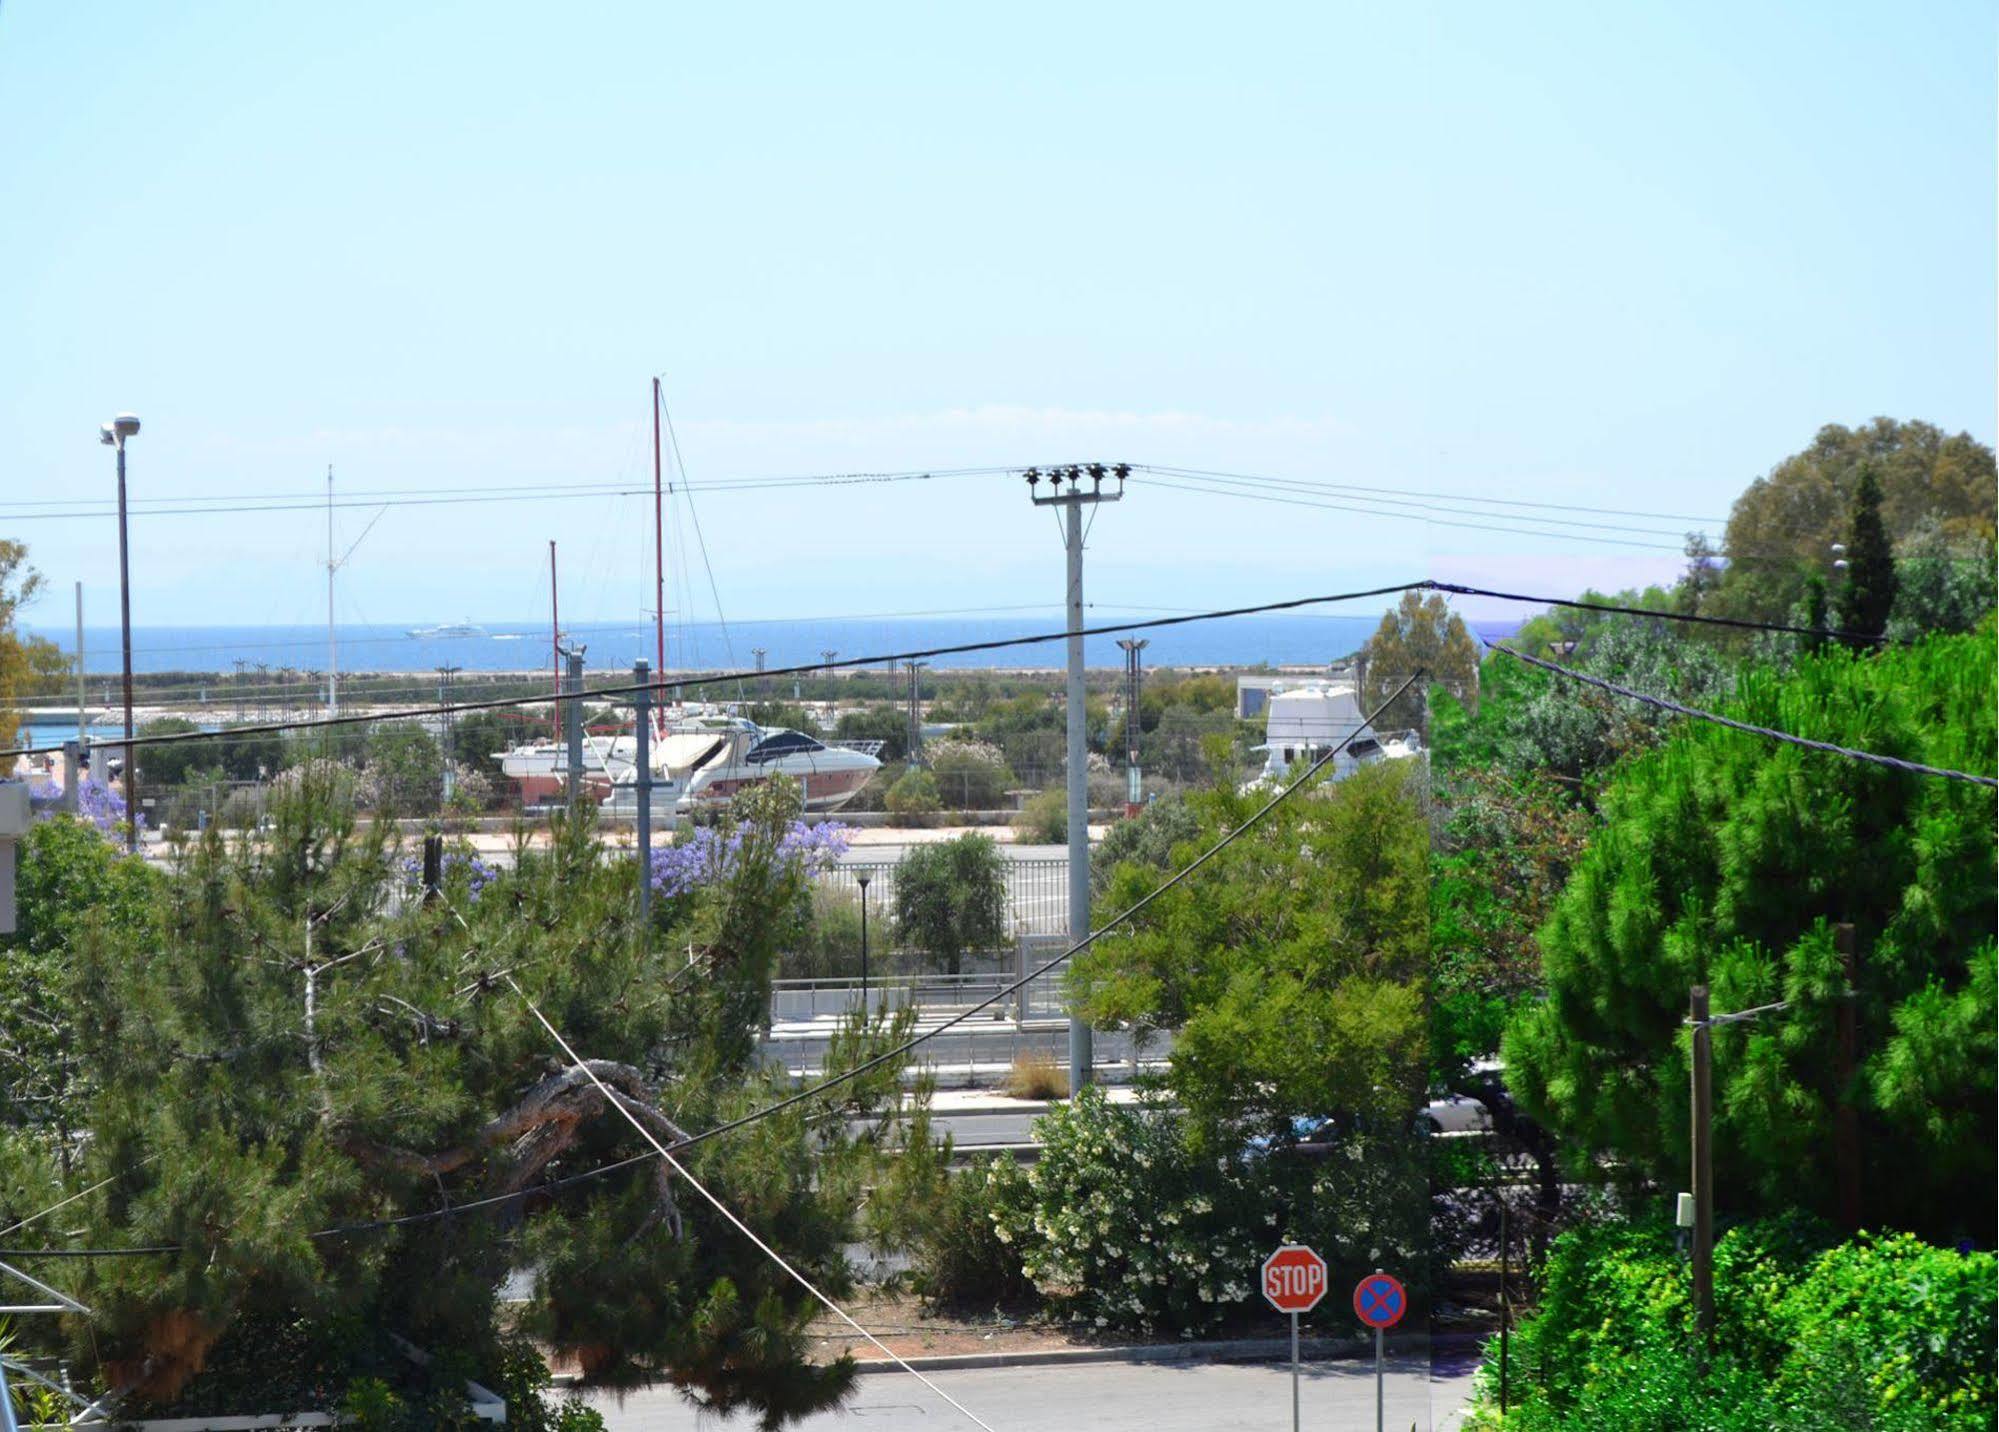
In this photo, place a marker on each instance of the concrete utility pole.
(1134, 792)
(915, 715)
(117, 433)
(83, 735)
(642, 786)
(572, 722)
(444, 675)
(1081, 1056)
(1703, 1159)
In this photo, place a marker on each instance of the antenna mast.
(332, 645)
(658, 561)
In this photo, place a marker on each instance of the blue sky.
(1620, 256)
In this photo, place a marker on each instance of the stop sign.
(1294, 1279)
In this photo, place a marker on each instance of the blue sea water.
(1280, 640)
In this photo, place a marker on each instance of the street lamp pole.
(115, 434)
(863, 881)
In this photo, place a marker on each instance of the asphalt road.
(1108, 1397)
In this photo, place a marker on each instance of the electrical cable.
(1693, 618)
(727, 677)
(722, 1208)
(1895, 763)
(1228, 838)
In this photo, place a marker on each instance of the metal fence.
(1037, 896)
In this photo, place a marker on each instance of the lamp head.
(126, 425)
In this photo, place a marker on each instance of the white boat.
(1304, 722)
(708, 759)
(448, 629)
(701, 755)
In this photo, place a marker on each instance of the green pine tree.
(1869, 593)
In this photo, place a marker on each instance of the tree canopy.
(1419, 633)
(27, 663)
(288, 1039)
(1727, 859)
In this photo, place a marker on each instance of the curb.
(1212, 1350)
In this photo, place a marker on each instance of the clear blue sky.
(1618, 255)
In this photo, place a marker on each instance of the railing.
(1037, 895)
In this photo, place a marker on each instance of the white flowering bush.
(1123, 1226)
(1132, 1221)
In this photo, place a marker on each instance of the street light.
(863, 880)
(116, 434)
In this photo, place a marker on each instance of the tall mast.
(332, 646)
(555, 636)
(658, 559)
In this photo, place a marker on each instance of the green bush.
(950, 898)
(965, 1257)
(1877, 1333)
(1128, 1221)
(1044, 820)
(970, 774)
(915, 794)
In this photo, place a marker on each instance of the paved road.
(1107, 1397)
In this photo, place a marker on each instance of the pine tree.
(1815, 614)
(296, 1041)
(1869, 594)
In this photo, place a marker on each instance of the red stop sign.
(1294, 1279)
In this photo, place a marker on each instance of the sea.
(1024, 641)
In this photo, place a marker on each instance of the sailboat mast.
(658, 557)
(332, 645)
(555, 637)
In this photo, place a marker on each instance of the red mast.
(555, 634)
(658, 560)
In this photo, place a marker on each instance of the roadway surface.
(1107, 1397)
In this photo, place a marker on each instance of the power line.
(1895, 763)
(1692, 618)
(807, 668)
(722, 1208)
(1445, 496)
(1218, 491)
(1228, 838)
(1290, 485)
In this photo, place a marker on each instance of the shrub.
(1148, 838)
(1878, 1333)
(914, 794)
(1044, 820)
(950, 898)
(970, 774)
(1037, 1076)
(966, 1257)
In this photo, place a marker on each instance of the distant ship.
(448, 629)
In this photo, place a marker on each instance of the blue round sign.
(1379, 1301)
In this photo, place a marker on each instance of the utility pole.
(1846, 1119)
(117, 433)
(763, 685)
(332, 645)
(827, 654)
(1081, 1057)
(642, 787)
(1134, 791)
(444, 675)
(572, 723)
(915, 714)
(81, 734)
(1703, 1151)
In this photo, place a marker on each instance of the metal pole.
(332, 644)
(642, 785)
(555, 637)
(1703, 1152)
(572, 724)
(81, 734)
(659, 545)
(125, 623)
(1080, 1054)
(864, 943)
(7, 1421)
(72, 774)
(1846, 1118)
(1505, 1304)
(1379, 1401)
(1294, 1372)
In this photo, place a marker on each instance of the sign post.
(1294, 1279)
(1379, 1301)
